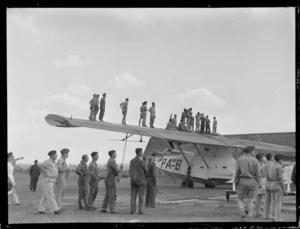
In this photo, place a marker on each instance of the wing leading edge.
(171, 135)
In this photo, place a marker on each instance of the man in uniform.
(63, 172)
(93, 181)
(138, 174)
(197, 117)
(215, 123)
(92, 107)
(50, 173)
(151, 185)
(268, 201)
(96, 109)
(261, 185)
(192, 122)
(188, 118)
(275, 174)
(246, 181)
(143, 115)
(183, 117)
(174, 122)
(83, 181)
(102, 107)
(34, 173)
(10, 170)
(124, 106)
(152, 115)
(207, 125)
(203, 121)
(112, 171)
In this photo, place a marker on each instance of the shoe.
(145, 126)
(91, 208)
(113, 212)
(58, 211)
(141, 213)
(132, 213)
(81, 207)
(103, 210)
(41, 212)
(17, 204)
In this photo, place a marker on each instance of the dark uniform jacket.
(35, 171)
(151, 173)
(102, 103)
(138, 171)
(112, 170)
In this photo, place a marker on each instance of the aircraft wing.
(170, 135)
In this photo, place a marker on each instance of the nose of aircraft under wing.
(59, 121)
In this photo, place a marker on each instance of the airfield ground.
(174, 204)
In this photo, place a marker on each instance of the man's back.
(248, 167)
(35, 170)
(112, 169)
(138, 171)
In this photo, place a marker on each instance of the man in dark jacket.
(151, 186)
(83, 181)
(34, 175)
(102, 107)
(138, 174)
(112, 171)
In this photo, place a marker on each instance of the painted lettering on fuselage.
(169, 163)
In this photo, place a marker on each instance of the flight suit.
(34, 173)
(14, 194)
(93, 181)
(192, 123)
(50, 173)
(152, 115)
(269, 202)
(110, 197)
(96, 108)
(151, 186)
(144, 110)
(215, 123)
(138, 174)
(246, 180)
(102, 108)
(197, 123)
(61, 181)
(92, 109)
(202, 124)
(275, 173)
(207, 126)
(124, 106)
(83, 184)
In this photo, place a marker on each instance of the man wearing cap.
(268, 202)
(102, 107)
(207, 125)
(50, 173)
(246, 180)
(215, 123)
(112, 171)
(138, 175)
(10, 170)
(34, 173)
(151, 185)
(83, 182)
(63, 172)
(203, 121)
(152, 115)
(277, 189)
(124, 106)
(93, 181)
(92, 107)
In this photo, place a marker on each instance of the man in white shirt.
(10, 170)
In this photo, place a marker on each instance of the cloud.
(72, 61)
(27, 23)
(126, 80)
(202, 97)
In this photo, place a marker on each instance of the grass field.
(174, 204)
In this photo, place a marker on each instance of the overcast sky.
(235, 64)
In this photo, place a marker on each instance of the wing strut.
(201, 155)
(183, 154)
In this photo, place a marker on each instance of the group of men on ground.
(187, 122)
(55, 175)
(256, 177)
